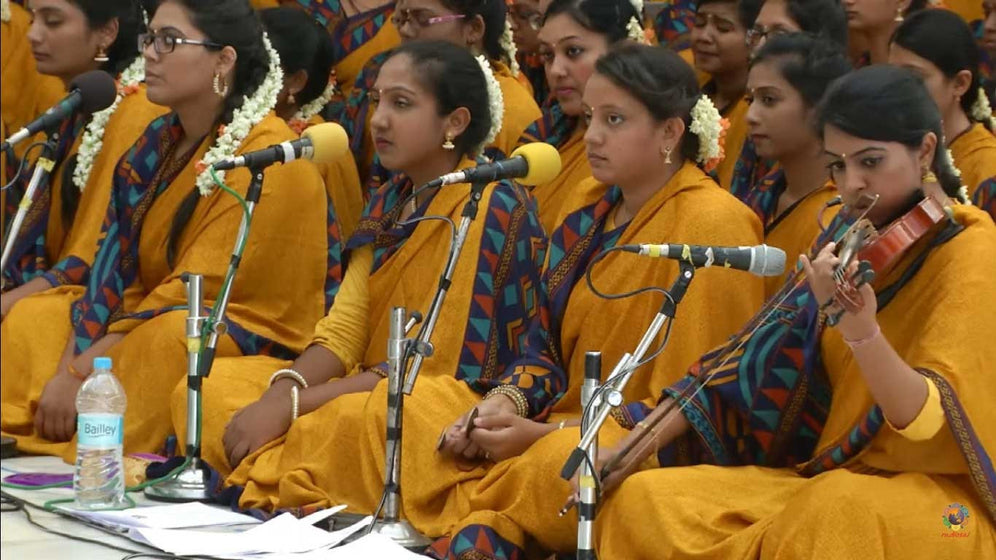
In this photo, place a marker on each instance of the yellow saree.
(335, 455)
(893, 498)
(519, 497)
(277, 296)
(552, 199)
(974, 154)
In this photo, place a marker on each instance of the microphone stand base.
(402, 533)
(190, 485)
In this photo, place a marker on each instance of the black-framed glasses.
(421, 18)
(758, 34)
(164, 43)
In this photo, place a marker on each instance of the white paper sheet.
(178, 516)
(282, 535)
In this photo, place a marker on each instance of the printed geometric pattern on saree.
(507, 293)
(142, 175)
(985, 196)
(554, 127)
(28, 258)
(326, 12)
(336, 265)
(673, 24)
(351, 33)
(750, 170)
(475, 542)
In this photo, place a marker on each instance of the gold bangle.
(289, 374)
(515, 395)
(295, 402)
(562, 424)
(379, 372)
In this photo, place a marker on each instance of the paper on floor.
(178, 516)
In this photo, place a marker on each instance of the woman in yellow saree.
(477, 25)
(204, 59)
(639, 104)
(788, 75)
(938, 46)
(334, 452)
(306, 57)
(67, 210)
(719, 44)
(870, 438)
(575, 33)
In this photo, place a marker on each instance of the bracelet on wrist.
(855, 344)
(289, 374)
(515, 395)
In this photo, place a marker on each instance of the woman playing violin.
(853, 416)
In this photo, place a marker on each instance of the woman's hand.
(455, 440)
(819, 272)
(55, 419)
(256, 425)
(504, 435)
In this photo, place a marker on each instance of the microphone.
(322, 143)
(760, 260)
(89, 92)
(531, 164)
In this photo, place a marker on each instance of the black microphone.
(531, 164)
(89, 92)
(761, 260)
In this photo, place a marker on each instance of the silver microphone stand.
(587, 491)
(43, 167)
(399, 350)
(191, 483)
(597, 411)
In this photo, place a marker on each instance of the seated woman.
(526, 18)
(647, 186)
(873, 437)
(719, 45)
(333, 453)
(788, 75)
(938, 46)
(206, 60)
(823, 18)
(574, 35)
(306, 57)
(477, 25)
(57, 241)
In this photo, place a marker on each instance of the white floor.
(21, 540)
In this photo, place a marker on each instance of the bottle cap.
(102, 363)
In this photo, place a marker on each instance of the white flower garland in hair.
(252, 111)
(5, 10)
(315, 106)
(963, 190)
(507, 43)
(707, 124)
(496, 102)
(981, 111)
(634, 29)
(93, 138)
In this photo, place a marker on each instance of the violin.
(877, 251)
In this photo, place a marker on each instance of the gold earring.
(928, 177)
(667, 155)
(448, 144)
(291, 99)
(899, 15)
(221, 92)
(101, 55)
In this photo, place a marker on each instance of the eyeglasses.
(756, 35)
(164, 43)
(421, 18)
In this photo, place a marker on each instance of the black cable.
(20, 167)
(26, 505)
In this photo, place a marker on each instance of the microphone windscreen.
(767, 261)
(97, 90)
(328, 140)
(544, 163)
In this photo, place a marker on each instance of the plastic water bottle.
(99, 481)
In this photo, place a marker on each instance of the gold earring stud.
(448, 144)
(667, 155)
(101, 55)
(928, 177)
